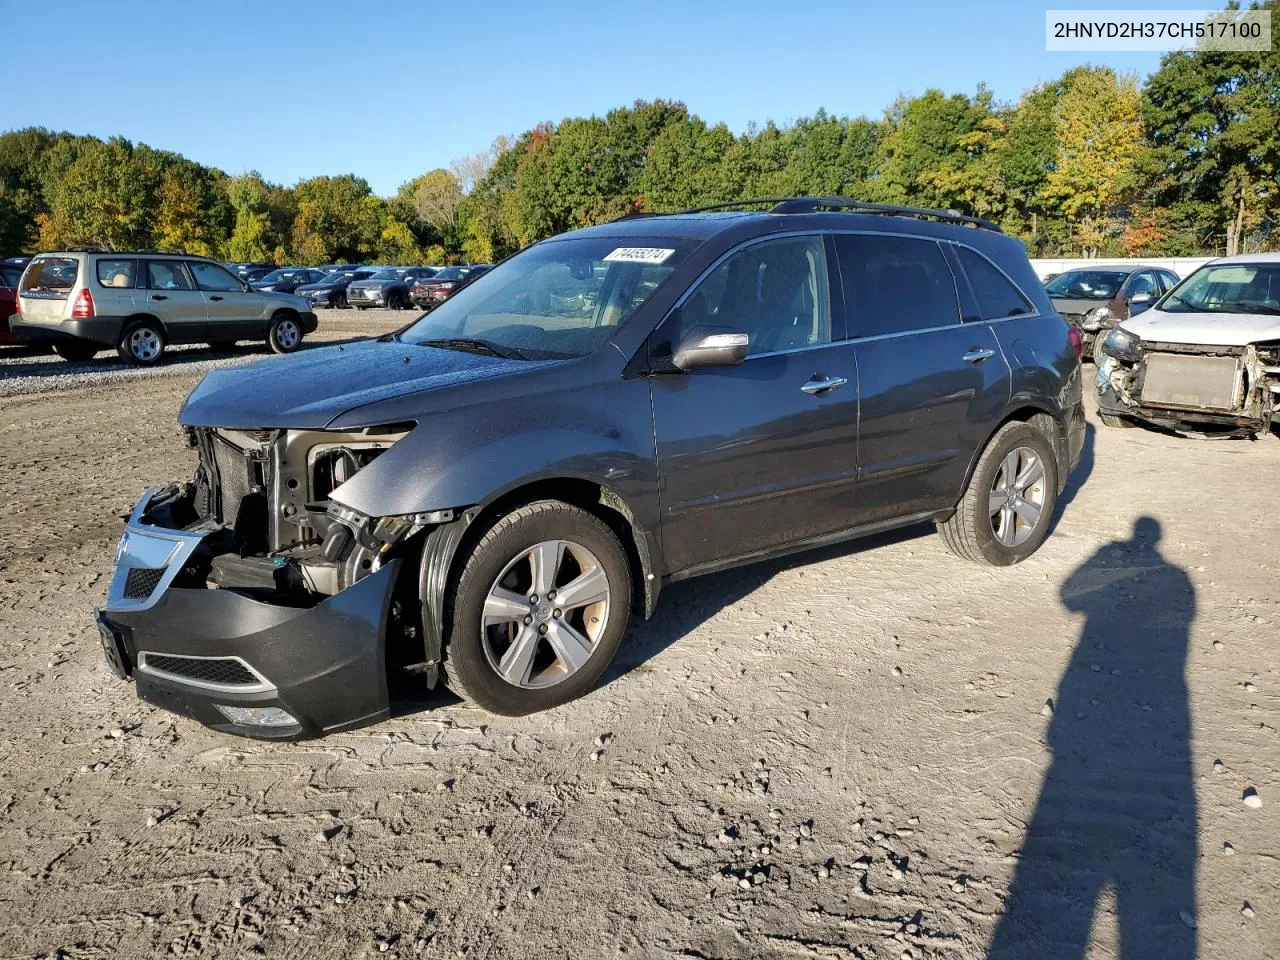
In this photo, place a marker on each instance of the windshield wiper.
(473, 345)
(1188, 304)
(1257, 308)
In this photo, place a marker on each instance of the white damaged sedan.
(1205, 358)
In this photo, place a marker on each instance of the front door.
(233, 313)
(171, 295)
(932, 387)
(763, 454)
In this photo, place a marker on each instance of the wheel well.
(1053, 429)
(283, 312)
(130, 320)
(592, 497)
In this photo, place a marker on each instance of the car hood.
(1207, 329)
(1075, 305)
(312, 388)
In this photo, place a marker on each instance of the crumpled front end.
(252, 602)
(1189, 387)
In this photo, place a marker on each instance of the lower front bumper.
(191, 649)
(309, 322)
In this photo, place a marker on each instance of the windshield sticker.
(639, 255)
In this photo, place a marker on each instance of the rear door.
(931, 384)
(763, 454)
(171, 295)
(233, 313)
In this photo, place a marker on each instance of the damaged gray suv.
(486, 497)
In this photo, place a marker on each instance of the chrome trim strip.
(139, 545)
(262, 686)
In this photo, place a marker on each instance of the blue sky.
(390, 90)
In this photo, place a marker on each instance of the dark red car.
(10, 274)
(434, 290)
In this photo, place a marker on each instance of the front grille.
(224, 670)
(142, 581)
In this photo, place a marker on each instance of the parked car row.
(331, 285)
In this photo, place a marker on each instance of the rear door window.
(996, 294)
(167, 275)
(50, 277)
(117, 273)
(895, 284)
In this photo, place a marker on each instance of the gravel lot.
(876, 751)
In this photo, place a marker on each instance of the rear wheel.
(1005, 512)
(538, 611)
(338, 301)
(284, 334)
(76, 352)
(142, 342)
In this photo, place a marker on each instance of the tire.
(1007, 535)
(358, 308)
(338, 301)
(74, 352)
(398, 301)
(501, 560)
(1110, 420)
(285, 333)
(142, 342)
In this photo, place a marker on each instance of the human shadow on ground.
(1117, 809)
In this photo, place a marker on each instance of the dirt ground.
(877, 751)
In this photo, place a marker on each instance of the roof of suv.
(69, 251)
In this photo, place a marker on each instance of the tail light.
(82, 308)
(1077, 341)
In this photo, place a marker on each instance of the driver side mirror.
(1141, 298)
(707, 346)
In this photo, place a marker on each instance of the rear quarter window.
(117, 273)
(50, 276)
(895, 285)
(997, 296)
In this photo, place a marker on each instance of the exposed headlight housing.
(1122, 345)
(1096, 319)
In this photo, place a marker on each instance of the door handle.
(977, 356)
(158, 296)
(215, 298)
(815, 386)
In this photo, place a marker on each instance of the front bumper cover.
(1177, 420)
(323, 665)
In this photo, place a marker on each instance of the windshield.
(1227, 288)
(556, 300)
(1086, 284)
(275, 276)
(449, 273)
(387, 273)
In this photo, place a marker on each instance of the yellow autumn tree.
(1098, 130)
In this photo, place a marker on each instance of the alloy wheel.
(144, 344)
(1017, 496)
(545, 613)
(287, 334)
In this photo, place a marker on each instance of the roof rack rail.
(811, 204)
(814, 204)
(89, 248)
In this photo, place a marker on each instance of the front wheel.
(1005, 512)
(285, 334)
(75, 352)
(538, 611)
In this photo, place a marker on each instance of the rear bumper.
(190, 650)
(101, 330)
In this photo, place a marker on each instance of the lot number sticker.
(639, 255)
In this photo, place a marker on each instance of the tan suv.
(81, 301)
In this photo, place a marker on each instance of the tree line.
(1093, 163)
